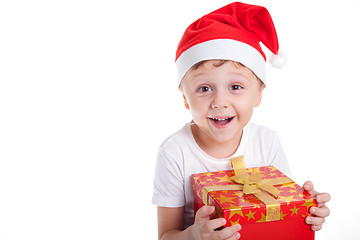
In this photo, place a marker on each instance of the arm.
(170, 225)
(319, 213)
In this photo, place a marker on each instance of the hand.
(204, 228)
(319, 213)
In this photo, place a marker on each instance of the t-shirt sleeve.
(279, 159)
(168, 181)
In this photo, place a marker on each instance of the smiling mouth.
(222, 122)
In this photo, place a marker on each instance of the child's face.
(221, 100)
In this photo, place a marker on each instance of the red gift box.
(273, 217)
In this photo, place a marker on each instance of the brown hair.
(220, 62)
(216, 63)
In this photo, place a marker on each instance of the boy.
(221, 71)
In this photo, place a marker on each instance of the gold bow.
(253, 183)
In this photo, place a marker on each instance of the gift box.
(264, 201)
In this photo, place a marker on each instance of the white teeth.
(218, 119)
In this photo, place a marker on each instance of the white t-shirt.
(179, 156)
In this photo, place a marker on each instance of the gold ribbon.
(253, 184)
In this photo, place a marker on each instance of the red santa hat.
(232, 32)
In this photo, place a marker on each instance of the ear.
(186, 103)
(259, 97)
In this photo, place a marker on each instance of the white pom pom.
(278, 60)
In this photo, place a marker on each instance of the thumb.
(204, 212)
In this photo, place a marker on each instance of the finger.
(234, 237)
(315, 221)
(316, 228)
(204, 212)
(213, 224)
(309, 186)
(322, 211)
(229, 232)
(323, 197)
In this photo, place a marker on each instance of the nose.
(220, 100)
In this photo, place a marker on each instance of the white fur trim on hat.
(224, 49)
(278, 60)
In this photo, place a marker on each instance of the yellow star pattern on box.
(294, 210)
(250, 215)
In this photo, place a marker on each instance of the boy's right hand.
(204, 227)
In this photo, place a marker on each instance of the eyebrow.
(244, 77)
(196, 77)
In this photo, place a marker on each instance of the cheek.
(251, 99)
(198, 108)
(245, 106)
(245, 102)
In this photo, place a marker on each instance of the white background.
(88, 93)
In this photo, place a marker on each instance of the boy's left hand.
(319, 213)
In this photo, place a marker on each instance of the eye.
(204, 89)
(235, 87)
